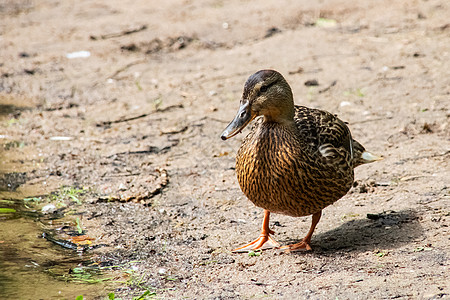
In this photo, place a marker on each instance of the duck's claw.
(303, 245)
(261, 243)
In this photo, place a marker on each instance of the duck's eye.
(263, 88)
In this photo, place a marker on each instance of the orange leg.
(264, 241)
(304, 244)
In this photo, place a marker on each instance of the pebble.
(162, 271)
(78, 54)
(48, 209)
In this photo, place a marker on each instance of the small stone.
(312, 82)
(122, 187)
(24, 54)
(272, 31)
(48, 209)
(162, 271)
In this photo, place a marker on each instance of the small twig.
(183, 129)
(413, 177)
(64, 243)
(328, 87)
(118, 34)
(372, 120)
(106, 123)
(123, 175)
(127, 119)
(151, 150)
(127, 67)
(298, 71)
(422, 157)
(218, 120)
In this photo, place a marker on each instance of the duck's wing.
(327, 138)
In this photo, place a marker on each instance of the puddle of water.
(32, 267)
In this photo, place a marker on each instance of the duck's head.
(266, 93)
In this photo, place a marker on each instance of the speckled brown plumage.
(280, 167)
(295, 160)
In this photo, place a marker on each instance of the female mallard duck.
(295, 161)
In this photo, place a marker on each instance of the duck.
(294, 161)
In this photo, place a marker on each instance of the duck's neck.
(281, 121)
(283, 114)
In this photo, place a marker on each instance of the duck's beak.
(243, 117)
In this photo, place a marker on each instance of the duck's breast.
(276, 172)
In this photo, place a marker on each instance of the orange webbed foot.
(303, 245)
(265, 241)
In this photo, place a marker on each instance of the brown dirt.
(146, 109)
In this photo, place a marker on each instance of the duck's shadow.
(385, 230)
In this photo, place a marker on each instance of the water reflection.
(32, 267)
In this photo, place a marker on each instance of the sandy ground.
(145, 110)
